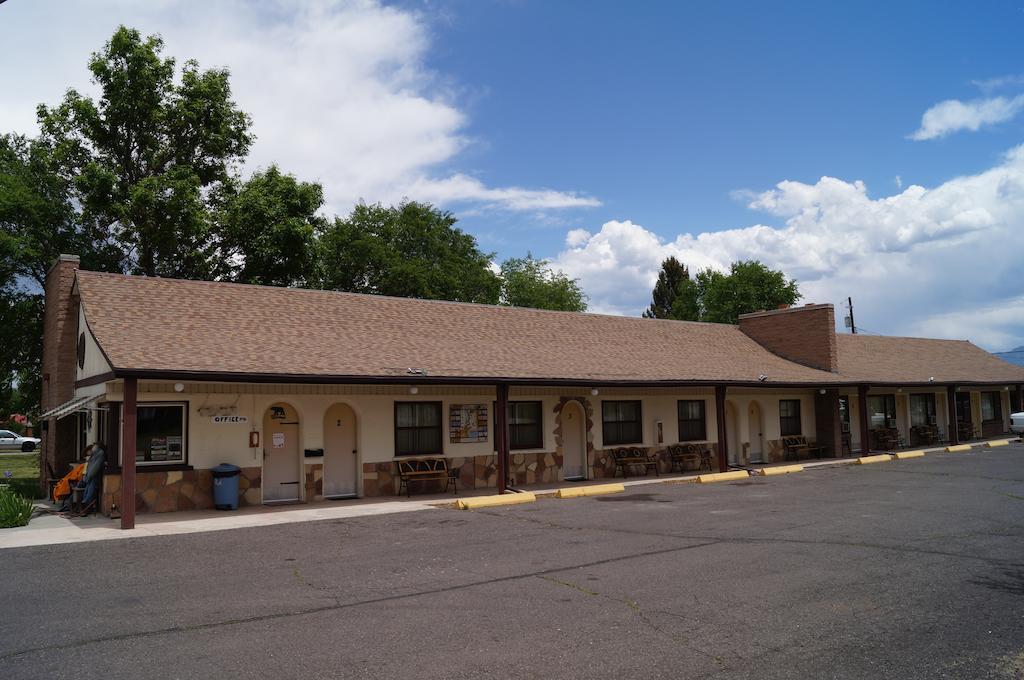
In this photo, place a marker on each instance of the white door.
(281, 469)
(731, 434)
(756, 438)
(574, 441)
(340, 454)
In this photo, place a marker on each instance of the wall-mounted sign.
(467, 423)
(229, 420)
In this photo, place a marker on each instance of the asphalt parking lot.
(909, 569)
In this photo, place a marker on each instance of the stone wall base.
(177, 490)
(481, 472)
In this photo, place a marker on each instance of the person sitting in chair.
(93, 477)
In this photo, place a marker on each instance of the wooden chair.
(685, 457)
(426, 470)
(634, 456)
(797, 446)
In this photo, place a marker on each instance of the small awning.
(69, 407)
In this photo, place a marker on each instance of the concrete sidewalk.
(51, 528)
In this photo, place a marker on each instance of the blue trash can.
(225, 486)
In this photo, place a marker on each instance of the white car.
(11, 441)
(1017, 422)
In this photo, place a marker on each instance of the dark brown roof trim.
(95, 379)
(287, 378)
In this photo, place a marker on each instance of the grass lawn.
(25, 468)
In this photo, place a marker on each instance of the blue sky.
(663, 110)
(867, 149)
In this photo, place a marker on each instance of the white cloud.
(942, 261)
(339, 90)
(460, 188)
(991, 84)
(954, 115)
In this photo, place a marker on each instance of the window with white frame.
(991, 407)
(922, 409)
(161, 434)
(789, 417)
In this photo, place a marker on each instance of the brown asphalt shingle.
(152, 323)
(872, 358)
(197, 326)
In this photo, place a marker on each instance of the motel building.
(320, 394)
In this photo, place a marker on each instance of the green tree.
(150, 157)
(671, 279)
(37, 222)
(526, 282)
(269, 226)
(748, 287)
(143, 179)
(409, 250)
(686, 305)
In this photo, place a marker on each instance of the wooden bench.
(798, 446)
(634, 456)
(689, 457)
(426, 470)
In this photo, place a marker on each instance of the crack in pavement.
(337, 607)
(635, 607)
(756, 539)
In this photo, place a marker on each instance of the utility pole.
(853, 325)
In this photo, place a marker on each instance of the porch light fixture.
(594, 392)
(822, 391)
(762, 378)
(179, 387)
(932, 379)
(413, 389)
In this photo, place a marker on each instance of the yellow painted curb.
(903, 455)
(867, 460)
(958, 447)
(998, 442)
(723, 476)
(781, 470)
(597, 490)
(491, 501)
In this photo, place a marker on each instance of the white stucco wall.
(95, 362)
(210, 444)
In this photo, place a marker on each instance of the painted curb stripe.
(492, 501)
(867, 460)
(958, 448)
(781, 470)
(597, 490)
(723, 476)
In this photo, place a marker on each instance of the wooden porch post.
(501, 435)
(953, 431)
(128, 412)
(862, 408)
(723, 443)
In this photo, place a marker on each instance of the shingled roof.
(881, 359)
(168, 325)
(209, 329)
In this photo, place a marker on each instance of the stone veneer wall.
(178, 490)
(602, 464)
(475, 472)
(314, 482)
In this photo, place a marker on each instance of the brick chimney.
(60, 327)
(806, 335)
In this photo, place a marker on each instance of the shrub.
(15, 510)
